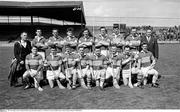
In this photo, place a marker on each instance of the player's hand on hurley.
(65, 59)
(22, 62)
(34, 74)
(77, 60)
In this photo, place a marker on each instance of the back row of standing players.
(90, 59)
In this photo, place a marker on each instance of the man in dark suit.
(151, 42)
(21, 49)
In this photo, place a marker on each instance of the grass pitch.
(165, 97)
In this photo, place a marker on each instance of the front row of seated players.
(91, 68)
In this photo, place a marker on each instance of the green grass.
(165, 97)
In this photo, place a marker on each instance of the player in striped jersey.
(98, 63)
(147, 68)
(103, 40)
(40, 42)
(70, 40)
(117, 38)
(56, 40)
(54, 63)
(134, 42)
(87, 40)
(127, 66)
(33, 65)
(83, 68)
(114, 67)
(70, 63)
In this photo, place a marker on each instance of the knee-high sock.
(155, 77)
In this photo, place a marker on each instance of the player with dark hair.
(70, 40)
(86, 39)
(147, 62)
(70, 63)
(127, 66)
(54, 63)
(56, 40)
(117, 38)
(40, 42)
(98, 63)
(33, 68)
(83, 68)
(103, 41)
(114, 68)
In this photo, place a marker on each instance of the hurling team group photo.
(89, 54)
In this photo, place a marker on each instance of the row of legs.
(84, 75)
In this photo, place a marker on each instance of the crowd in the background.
(162, 34)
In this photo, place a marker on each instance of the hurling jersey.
(134, 41)
(98, 62)
(54, 60)
(127, 65)
(84, 40)
(84, 61)
(146, 58)
(71, 59)
(39, 40)
(71, 42)
(53, 40)
(33, 61)
(118, 41)
(105, 41)
(115, 59)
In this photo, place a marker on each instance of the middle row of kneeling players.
(90, 68)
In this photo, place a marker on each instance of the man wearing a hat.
(117, 38)
(98, 65)
(103, 41)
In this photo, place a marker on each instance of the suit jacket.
(20, 52)
(152, 45)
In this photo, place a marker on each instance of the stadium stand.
(67, 13)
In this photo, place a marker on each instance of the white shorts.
(70, 71)
(32, 73)
(42, 54)
(146, 71)
(59, 54)
(105, 52)
(51, 75)
(126, 73)
(99, 74)
(85, 72)
(135, 70)
(109, 72)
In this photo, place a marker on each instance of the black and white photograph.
(92, 55)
